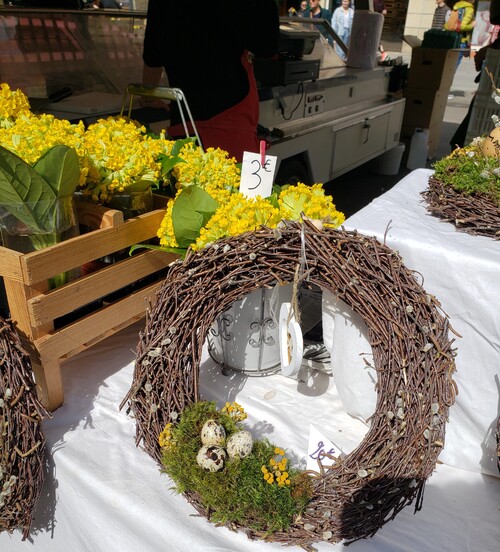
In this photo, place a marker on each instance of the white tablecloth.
(105, 495)
(463, 272)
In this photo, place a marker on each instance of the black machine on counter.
(289, 66)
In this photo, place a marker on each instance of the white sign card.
(257, 174)
(319, 446)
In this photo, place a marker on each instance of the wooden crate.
(127, 286)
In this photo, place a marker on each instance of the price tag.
(257, 174)
(320, 449)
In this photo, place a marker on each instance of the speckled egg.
(240, 444)
(211, 458)
(212, 433)
(491, 144)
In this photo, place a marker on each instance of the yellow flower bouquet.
(208, 204)
(39, 173)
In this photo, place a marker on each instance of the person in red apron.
(208, 56)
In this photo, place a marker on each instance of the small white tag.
(319, 446)
(257, 174)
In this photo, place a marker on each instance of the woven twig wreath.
(474, 214)
(412, 355)
(22, 451)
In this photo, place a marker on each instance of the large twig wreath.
(471, 213)
(22, 451)
(412, 353)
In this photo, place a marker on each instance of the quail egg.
(240, 444)
(212, 433)
(491, 144)
(211, 458)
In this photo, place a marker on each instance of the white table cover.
(105, 495)
(463, 272)
(102, 494)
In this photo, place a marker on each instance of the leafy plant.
(37, 200)
(30, 194)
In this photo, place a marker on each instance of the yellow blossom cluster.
(213, 170)
(277, 472)
(165, 437)
(119, 155)
(166, 229)
(219, 176)
(235, 410)
(30, 136)
(311, 201)
(238, 215)
(12, 104)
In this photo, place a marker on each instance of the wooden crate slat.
(63, 300)
(10, 264)
(80, 250)
(91, 329)
(96, 216)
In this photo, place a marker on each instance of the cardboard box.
(432, 68)
(424, 107)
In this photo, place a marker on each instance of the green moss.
(469, 171)
(238, 493)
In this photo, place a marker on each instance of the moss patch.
(469, 171)
(238, 493)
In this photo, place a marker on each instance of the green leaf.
(24, 193)
(179, 144)
(59, 166)
(273, 200)
(192, 209)
(178, 251)
(168, 163)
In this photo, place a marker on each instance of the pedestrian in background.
(317, 12)
(302, 8)
(342, 25)
(441, 15)
(462, 21)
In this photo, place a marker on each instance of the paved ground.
(359, 187)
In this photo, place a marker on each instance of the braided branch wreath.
(412, 356)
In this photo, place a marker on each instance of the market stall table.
(104, 494)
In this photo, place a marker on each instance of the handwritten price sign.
(320, 448)
(257, 174)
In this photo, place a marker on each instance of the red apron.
(233, 130)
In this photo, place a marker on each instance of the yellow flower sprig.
(120, 156)
(12, 104)
(235, 410)
(276, 472)
(30, 136)
(213, 170)
(165, 437)
(311, 201)
(238, 215)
